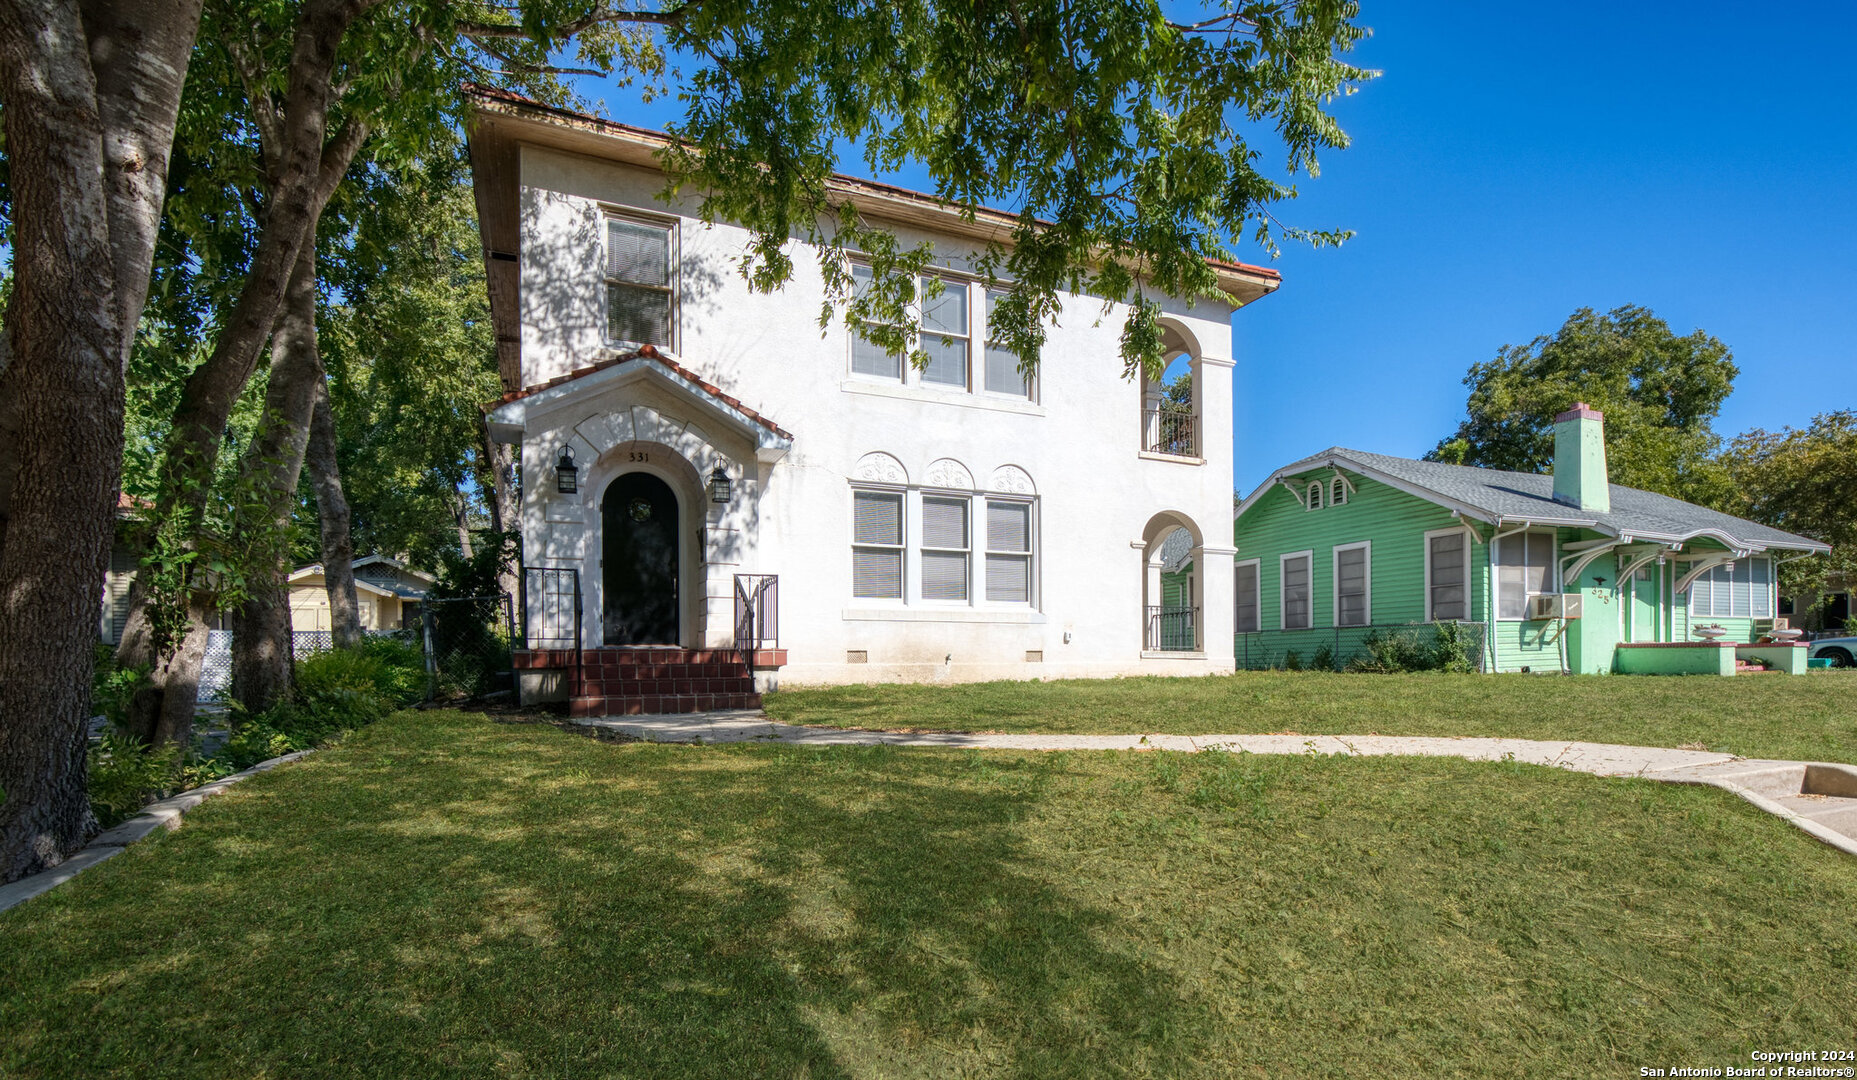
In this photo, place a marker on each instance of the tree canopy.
(1660, 393)
(1804, 481)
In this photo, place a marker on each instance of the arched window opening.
(1172, 588)
(1313, 495)
(1170, 406)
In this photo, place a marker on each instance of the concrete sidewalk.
(1819, 798)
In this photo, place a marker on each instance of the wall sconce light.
(567, 474)
(719, 486)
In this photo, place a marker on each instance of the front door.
(638, 523)
(1645, 597)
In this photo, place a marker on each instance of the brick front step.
(635, 681)
(646, 704)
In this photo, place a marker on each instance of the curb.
(111, 842)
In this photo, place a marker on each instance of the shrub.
(1451, 648)
(1292, 661)
(1389, 652)
(1324, 658)
(124, 777)
(112, 687)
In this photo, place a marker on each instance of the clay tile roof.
(647, 352)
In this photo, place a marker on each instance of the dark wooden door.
(638, 523)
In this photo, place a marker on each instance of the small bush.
(1452, 648)
(1389, 652)
(124, 777)
(1292, 661)
(1324, 657)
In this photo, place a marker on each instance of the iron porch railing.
(1172, 629)
(1170, 429)
(757, 613)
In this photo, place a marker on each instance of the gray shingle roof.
(1496, 495)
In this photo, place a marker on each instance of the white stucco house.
(955, 523)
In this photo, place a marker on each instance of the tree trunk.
(273, 463)
(72, 138)
(338, 545)
(300, 176)
(504, 498)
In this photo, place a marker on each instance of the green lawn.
(1811, 716)
(443, 895)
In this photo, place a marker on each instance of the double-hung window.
(1002, 375)
(944, 548)
(1354, 584)
(1447, 576)
(868, 357)
(640, 298)
(1009, 551)
(1741, 589)
(946, 331)
(1249, 619)
(1294, 586)
(1524, 570)
(877, 545)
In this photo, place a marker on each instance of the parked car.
(1842, 651)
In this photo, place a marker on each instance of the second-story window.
(868, 357)
(1002, 375)
(945, 332)
(640, 298)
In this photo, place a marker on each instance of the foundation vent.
(857, 656)
(1034, 656)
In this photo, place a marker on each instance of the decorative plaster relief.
(949, 473)
(880, 468)
(1012, 480)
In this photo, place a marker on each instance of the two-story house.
(709, 477)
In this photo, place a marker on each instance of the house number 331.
(640, 455)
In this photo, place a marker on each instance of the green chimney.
(1580, 459)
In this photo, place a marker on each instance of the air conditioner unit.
(1557, 606)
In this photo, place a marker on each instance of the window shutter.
(1246, 587)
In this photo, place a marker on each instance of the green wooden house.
(1561, 571)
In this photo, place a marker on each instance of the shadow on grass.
(450, 897)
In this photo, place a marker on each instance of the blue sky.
(1515, 162)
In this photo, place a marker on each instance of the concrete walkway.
(1817, 797)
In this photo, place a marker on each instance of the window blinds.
(638, 282)
(1009, 552)
(944, 549)
(1351, 587)
(1449, 597)
(1002, 374)
(877, 533)
(1246, 582)
(1525, 567)
(1296, 593)
(944, 333)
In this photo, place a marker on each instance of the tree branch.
(511, 31)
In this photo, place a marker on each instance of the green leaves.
(1659, 391)
(1119, 140)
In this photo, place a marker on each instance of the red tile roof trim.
(647, 352)
(491, 93)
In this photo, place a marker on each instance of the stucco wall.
(1079, 442)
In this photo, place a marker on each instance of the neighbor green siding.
(1393, 521)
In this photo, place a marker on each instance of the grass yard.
(1811, 717)
(442, 895)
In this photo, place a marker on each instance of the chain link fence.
(467, 642)
(1447, 646)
